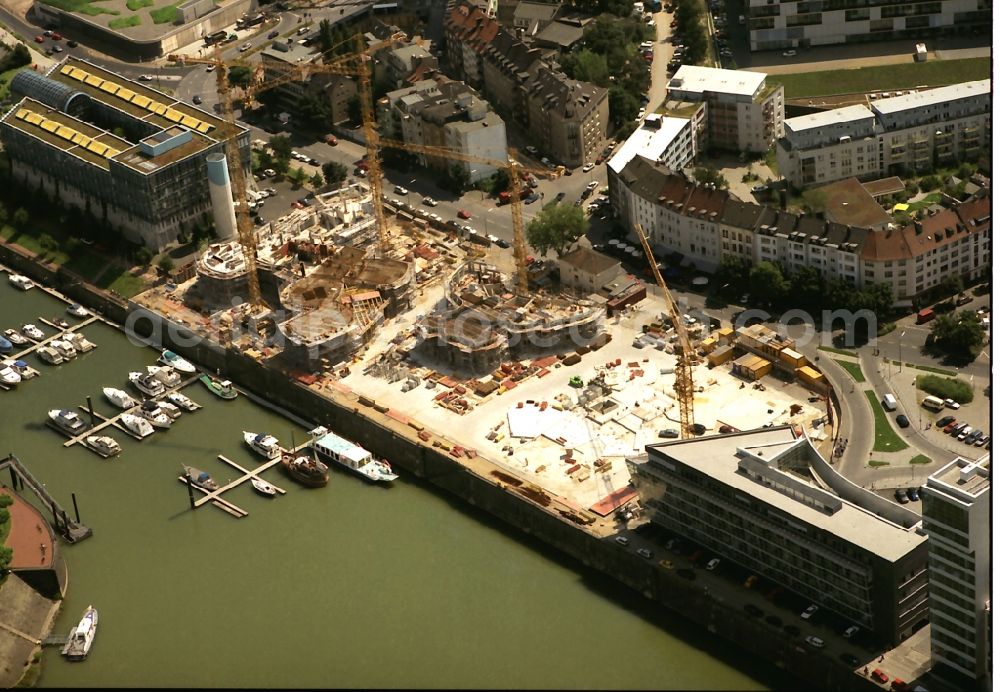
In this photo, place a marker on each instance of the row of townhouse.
(444, 113)
(566, 119)
(891, 136)
(705, 224)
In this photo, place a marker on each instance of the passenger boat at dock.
(178, 399)
(306, 470)
(21, 281)
(200, 478)
(165, 374)
(104, 445)
(80, 342)
(136, 425)
(15, 337)
(21, 368)
(81, 637)
(50, 355)
(263, 487)
(169, 409)
(120, 398)
(146, 383)
(64, 348)
(9, 376)
(32, 332)
(152, 412)
(221, 388)
(77, 310)
(177, 362)
(351, 456)
(262, 443)
(68, 421)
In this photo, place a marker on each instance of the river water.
(352, 585)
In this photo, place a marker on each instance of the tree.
(334, 173)
(165, 264)
(556, 227)
(806, 289)
(298, 176)
(48, 243)
(21, 217)
(587, 66)
(316, 181)
(458, 178)
(706, 176)
(143, 256)
(733, 272)
(239, 76)
(814, 200)
(313, 108)
(959, 335)
(501, 181)
(326, 39)
(281, 145)
(768, 285)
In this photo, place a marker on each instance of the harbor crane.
(686, 356)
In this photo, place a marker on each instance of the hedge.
(945, 388)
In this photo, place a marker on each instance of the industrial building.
(136, 157)
(956, 507)
(749, 497)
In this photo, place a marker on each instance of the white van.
(933, 403)
(889, 401)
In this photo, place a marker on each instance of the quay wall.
(469, 480)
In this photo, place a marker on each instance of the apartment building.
(891, 136)
(749, 498)
(444, 113)
(704, 225)
(956, 507)
(406, 64)
(566, 118)
(134, 156)
(779, 25)
(744, 112)
(586, 270)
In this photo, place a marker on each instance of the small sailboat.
(165, 374)
(152, 412)
(81, 637)
(220, 388)
(262, 443)
(67, 420)
(15, 337)
(64, 348)
(120, 398)
(146, 383)
(171, 410)
(263, 487)
(104, 445)
(77, 310)
(32, 332)
(182, 401)
(21, 281)
(176, 362)
(80, 342)
(9, 376)
(136, 425)
(200, 478)
(50, 355)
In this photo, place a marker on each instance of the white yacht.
(136, 425)
(146, 383)
(9, 376)
(354, 457)
(177, 362)
(64, 348)
(77, 310)
(15, 337)
(80, 342)
(120, 398)
(169, 409)
(21, 368)
(151, 411)
(81, 637)
(262, 443)
(182, 401)
(21, 281)
(104, 445)
(67, 420)
(32, 332)
(165, 374)
(49, 355)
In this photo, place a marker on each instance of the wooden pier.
(62, 332)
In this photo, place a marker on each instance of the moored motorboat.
(352, 456)
(146, 383)
(15, 337)
(220, 388)
(81, 637)
(151, 411)
(64, 348)
(49, 355)
(21, 281)
(5, 345)
(177, 362)
(104, 445)
(9, 376)
(182, 401)
(136, 425)
(119, 397)
(200, 478)
(67, 420)
(60, 322)
(306, 470)
(169, 409)
(263, 487)
(165, 374)
(77, 310)
(80, 342)
(21, 368)
(262, 443)
(32, 332)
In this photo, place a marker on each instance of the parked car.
(951, 426)
(430, 201)
(973, 436)
(245, 47)
(952, 404)
(901, 497)
(788, 53)
(913, 494)
(623, 540)
(270, 172)
(945, 420)
(815, 641)
(982, 441)
(400, 190)
(533, 197)
(588, 167)
(902, 421)
(462, 214)
(851, 631)
(966, 431)
(878, 675)
(713, 563)
(645, 552)
(669, 433)
(196, 100)
(502, 243)
(274, 34)
(57, 49)
(39, 39)
(808, 612)
(531, 150)
(560, 197)
(145, 78)
(757, 189)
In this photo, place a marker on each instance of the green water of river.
(352, 585)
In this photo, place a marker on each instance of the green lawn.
(939, 371)
(841, 351)
(138, 4)
(80, 7)
(883, 77)
(125, 284)
(5, 78)
(920, 459)
(853, 368)
(125, 22)
(886, 439)
(165, 14)
(875, 463)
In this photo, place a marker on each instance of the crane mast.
(683, 375)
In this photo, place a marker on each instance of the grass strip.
(920, 459)
(841, 351)
(124, 22)
(886, 439)
(939, 371)
(853, 368)
(875, 463)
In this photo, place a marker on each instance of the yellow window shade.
(93, 80)
(141, 101)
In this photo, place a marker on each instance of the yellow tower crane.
(686, 356)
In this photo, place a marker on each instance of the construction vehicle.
(686, 357)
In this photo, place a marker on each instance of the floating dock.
(62, 332)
